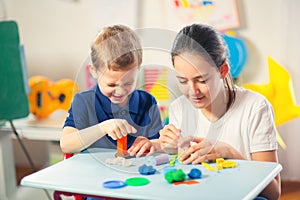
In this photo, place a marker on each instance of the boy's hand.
(116, 128)
(169, 136)
(140, 146)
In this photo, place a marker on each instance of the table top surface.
(48, 129)
(85, 173)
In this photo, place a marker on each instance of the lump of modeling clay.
(118, 161)
(195, 173)
(146, 170)
(175, 176)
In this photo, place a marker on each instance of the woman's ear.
(224, 70)
(93, 71)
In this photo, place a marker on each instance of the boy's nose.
(119, 90)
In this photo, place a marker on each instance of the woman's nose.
(193, 88)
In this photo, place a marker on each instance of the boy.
(113, 108)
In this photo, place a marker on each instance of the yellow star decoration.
(279, 91)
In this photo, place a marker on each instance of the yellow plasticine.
(219, 166)
(219, 160)
(173, 160)
(207, 166)
(221, 163)
(178, 156)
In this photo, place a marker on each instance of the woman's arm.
(273, 190)
(168, 139)
(204, 150)
(225, 150)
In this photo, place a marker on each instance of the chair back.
(13, 96)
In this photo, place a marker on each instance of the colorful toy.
(160, 160)
(173, 160)
(189, 182)
(177, 175)
(118, 161)
(279, 91)
(114, 184)
(221, 163)
(168, 169)
(46, 96)
(146, 170)
(137, 181)
(122, 147)
(195, 173)
(207, 166)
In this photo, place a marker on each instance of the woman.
(215, 118)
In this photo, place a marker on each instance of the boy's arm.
(73, 140)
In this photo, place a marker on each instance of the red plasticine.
(191, 182)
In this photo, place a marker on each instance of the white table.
(28, 128)
(85, 173)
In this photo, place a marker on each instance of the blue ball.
(195, 173)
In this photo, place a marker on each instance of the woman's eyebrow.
(180, 77)
(201, 76)
(197, 77)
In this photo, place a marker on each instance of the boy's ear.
(93, 72)
(224, 70)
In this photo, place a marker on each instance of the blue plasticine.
(168, 169)
(195, 173)
(146, 170)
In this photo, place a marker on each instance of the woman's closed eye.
(185, 81)
(182, 80)
(203, 81)
(128, 84)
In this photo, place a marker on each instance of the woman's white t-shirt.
(248, 125)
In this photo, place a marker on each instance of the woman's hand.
(141, 145)
(116, 128)
(199, 152)
(168, 139)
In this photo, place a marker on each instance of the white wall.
(57, 35)
(291, 60)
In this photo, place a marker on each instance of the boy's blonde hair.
(117, 48)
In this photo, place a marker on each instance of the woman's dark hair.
(207, 42)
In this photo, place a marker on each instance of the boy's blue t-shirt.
(92, 107)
